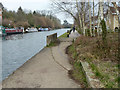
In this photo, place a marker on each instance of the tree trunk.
(83, 17)
(93, 21)
(100, 16)
(101, 9)
(98, 26)
(90, 19)
(108, 19)
(80, 26)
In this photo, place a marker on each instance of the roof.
(95, 17)
(113, 9)
(1, 6)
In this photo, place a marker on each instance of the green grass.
(110, 74)
(51, 44)
(55, 43)
(105, 71)
(79, 75)
(64, 35)
(73, 51)
(77, 72)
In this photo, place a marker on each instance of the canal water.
(17, 49)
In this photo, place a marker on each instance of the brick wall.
(0, 16)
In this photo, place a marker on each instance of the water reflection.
(13, 37)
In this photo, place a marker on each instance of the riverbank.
(99, 60)
(48, 69)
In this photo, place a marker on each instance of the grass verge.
(77, 73)
(103, 59)
(64, 35)
(55, 43)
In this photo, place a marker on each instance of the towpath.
(48, 69)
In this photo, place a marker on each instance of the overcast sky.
(36, 5)
(32, 5)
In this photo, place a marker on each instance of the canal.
(18, 48)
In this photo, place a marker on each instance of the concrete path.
(48, 69)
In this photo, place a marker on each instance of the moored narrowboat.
(7, 31)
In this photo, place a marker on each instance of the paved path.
(48, 69)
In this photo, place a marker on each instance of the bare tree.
(83, 17)
(67, 7)
(93, 20)
(100, 16)
(75, 9)
(79, 11)
(108, 15)
(90, 28)
(79, 14)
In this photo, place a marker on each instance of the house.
(1, 6)
(111, 19)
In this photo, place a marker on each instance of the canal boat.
(44, 29)
(7, 31)
(31, 30)
(13, 31)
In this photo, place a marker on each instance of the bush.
(96, 32)
(88, 32)
(38, 26)
(116, 29)
(110, 31)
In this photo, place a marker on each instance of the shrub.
(96, 32)
(88, 32)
